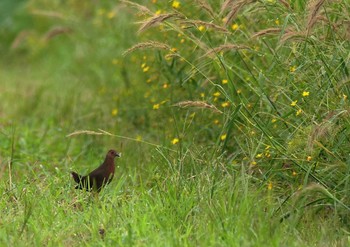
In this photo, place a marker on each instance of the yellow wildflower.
(277, 22)
(182, 41)
(294, 103)
(156, 106)
(306, 93)
(292, 69)
(175, 141)
(274, 120)
(298, 112)
(158, 12)
(216, 121)
(253, 163)
(224, 81)
(138, 138)
(223, 137)
(258, 156)
(201, 28)
(176, 4)
(202, 95)
(216, 94)
(114, 112)
(173, 49)
(239, 91)
(111, 15)
(235, 27)
(269, 186)
(225, 104)
(294, 173)
(165, 85)
(145, 69)
(308, 158)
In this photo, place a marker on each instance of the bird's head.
(112, 154)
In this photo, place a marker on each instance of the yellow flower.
(294, 173)
(253, 163)
(138, 138)
(298, 112)
(345, 96)
(145, 69)
(294, 103)
(225, 104)
(156, 106)
(143, 65)
(235, 27)
(308, 158)
(224, 81)
(114, 112)
(175, 141)
(158, 12)
(306, 93)
(258, 156)
(216, 94)
(182, 41)
(292, 69)
(274, 120)
(277, 22)
(173, 49)
(111, 15)
(223, 137)
(165, 85)
(201, 28)
(176, 4)
(269, 186)
(216, 121)
(239, 91)
(202, 95)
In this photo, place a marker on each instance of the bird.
(99, 177)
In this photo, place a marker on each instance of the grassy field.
(232, 118)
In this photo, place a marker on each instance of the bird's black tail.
(77, 178)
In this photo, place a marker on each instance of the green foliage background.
(232, 117)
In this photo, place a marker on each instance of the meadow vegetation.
(232, 118)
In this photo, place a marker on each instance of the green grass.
(268, 166)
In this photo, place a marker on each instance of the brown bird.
(99, 177)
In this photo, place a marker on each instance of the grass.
(232, 118)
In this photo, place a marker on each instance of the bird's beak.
(118, 155)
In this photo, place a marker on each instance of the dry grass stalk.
(155, 20)
(20, 38)
(147, 45)
(313, 10)
(266, 31)
(226, 47)
(285, 3)
(142, 9)
(53, 32)
(294, 35)
(226, 5)
(45, 13)
(197, 104)
(204, 5)
(234, 10)
(86, 132)
(206, 24)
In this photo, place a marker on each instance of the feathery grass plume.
(235, 8)
(205, 5)
(142, 9)
(206, 24)
(20, 38)
(226, 5)
(271, 30)
(285, 3)
(226, 47)
(155, 20)
(87, 132)
(147, 45)
(53, 32)
(197, 104)
(294, 35)
(313, 10)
